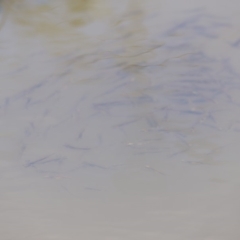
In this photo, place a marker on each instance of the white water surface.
(119, 120)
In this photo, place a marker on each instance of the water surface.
(119, 120)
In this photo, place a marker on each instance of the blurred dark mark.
(37, 161)
(142, 53)
(23, 148)
(141, 100)
(236, 43)
(29, 129)
(126, 123)
(133, 67)
(203, 32)
(17, 71)
(154, 170)
(166, 61)
(147, 152)
(112, 90)
(30, 102)
(181, 46)
(100, 139)
(77, 148)
(191, 112)
(6, 104)
(80, 101)
(152, 139)
(194, 25)
(67, 190)
(29, 90)
(110, 104)
(92, 189)
(63, 74)
(93, 165)
(58, 160)
(152, 122)
(57, 124)
(178, 153)
(82, 57)
(184, 24)
(44, 161)
(181, 138)
(80, 135)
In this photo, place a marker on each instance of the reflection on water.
(119, 120)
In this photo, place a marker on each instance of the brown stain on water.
(78, 6)
(51, 18)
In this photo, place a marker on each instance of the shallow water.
(119, 120)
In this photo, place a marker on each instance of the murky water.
(119, 120)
